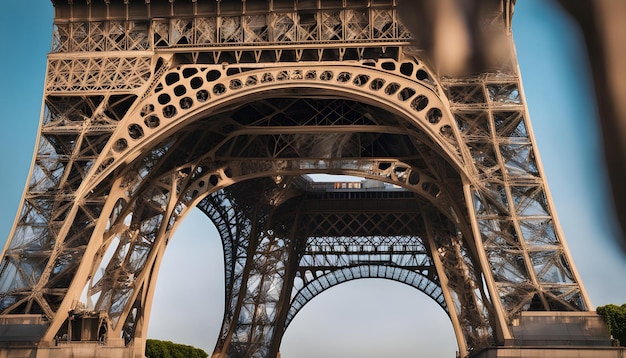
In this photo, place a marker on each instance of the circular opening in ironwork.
(267, 77)
(213, 75)
(251, 81)
(389, 66)
(421, 75)
(326, 76)
(180, 90)
(235, 84)
(202, 95)
(164, 98)
(152, 121)
(188, 72)
(196, 82)
(135, 131)
(172, 78)
(446, 131)
(434, 115)
(282, 76)
(392, 88)
(406, 68)
(169, 111)
(186, 103)
(406, 93)
(361, 80)
(120, 145)
(148, 108)
(344, 77)
(377, 84)
(219, 89)
(419, 103)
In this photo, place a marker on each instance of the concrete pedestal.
(557, 335)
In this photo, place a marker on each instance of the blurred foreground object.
(603, 27)
(459, 44)
(460, 37)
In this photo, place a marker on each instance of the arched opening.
(245, 149)
(361, 318)
(189, 297)
(367, 319)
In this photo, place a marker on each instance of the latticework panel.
(55, 226)
(101, 36)
(111, 74)
(326, 244)
(530, 266)
(301, 26)
(256, 273)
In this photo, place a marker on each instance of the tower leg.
(260, 290)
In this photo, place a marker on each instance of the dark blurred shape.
(461, 37)
(603, 24)
(469, 37)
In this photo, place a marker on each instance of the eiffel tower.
(152, 108)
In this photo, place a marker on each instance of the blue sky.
(365, 318)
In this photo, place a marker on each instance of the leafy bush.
(166, 349)
(615, 318)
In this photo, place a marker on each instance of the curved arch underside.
(280, 138)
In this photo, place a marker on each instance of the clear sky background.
(363, 318)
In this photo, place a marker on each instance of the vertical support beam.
(84, 270)
(443, 280)
(502, 333)
(254, 328)
(295, 247)
(555, 219)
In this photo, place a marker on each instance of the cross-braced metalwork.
(156, 108)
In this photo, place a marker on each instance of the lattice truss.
(283, 26)
(530, 266)
(115, 72)
(145, 120)
(317, 246)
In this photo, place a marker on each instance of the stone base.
(551, 352)
(74, 349)
(21, 337)
(556, 335)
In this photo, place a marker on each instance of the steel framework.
(154, 108)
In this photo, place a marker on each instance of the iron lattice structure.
(151, 109)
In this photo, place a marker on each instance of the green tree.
(615, 318)
(166, 349)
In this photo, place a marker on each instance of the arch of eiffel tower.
(152, 108)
